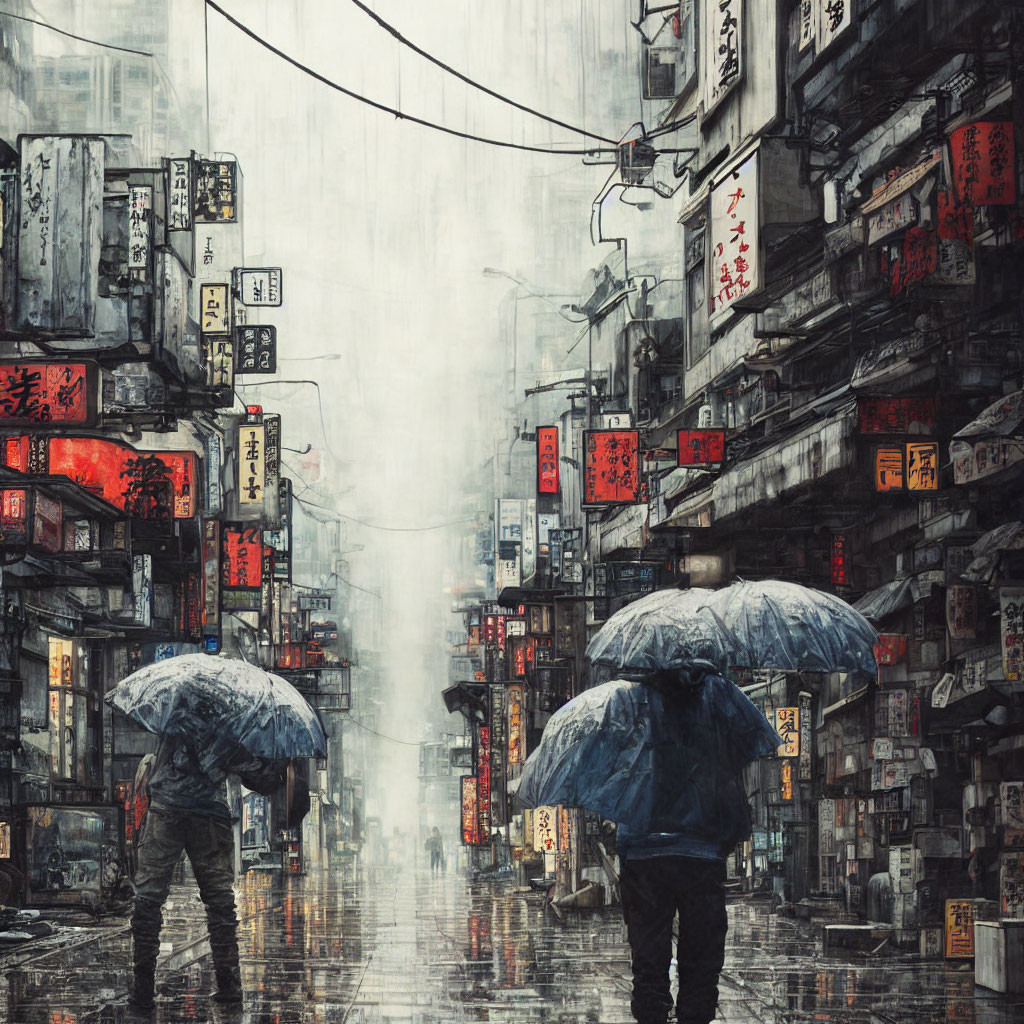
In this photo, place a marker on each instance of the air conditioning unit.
(659, 71)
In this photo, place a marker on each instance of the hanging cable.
(71, 35)
(378, 526)
(390, 739)
(395, 112)
(391, 30)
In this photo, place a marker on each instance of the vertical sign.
(722, 50)
(140, 205)
(214, 454)
(529, 539)
(515, 723)
(251, 466)
(961, 612)
(889, 469)
(211, 572)
(804, 756)
(611, 467)
(470, 808)
(272, 463)
(833, 18)
(218, 352)
(547, 460)
(483, 783)
(735, 245)
(840, 568)
(1011, 609)
(256, 346)
(959, 929)
(786, 780)
(142, 589)
(983, 163)
(923, 466)
(787, 725)
(509, 527)
(545, 835)
(179, 194)
(214, 309)
(280, 539)
(216, 191)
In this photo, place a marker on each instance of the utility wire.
(391, 30)
(391, 739)
(394, 111)
(71, 35)
(389, 529)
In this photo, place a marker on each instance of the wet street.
(403, 946)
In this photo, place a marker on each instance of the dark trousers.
(653, 891)
(435, 860)
(209, 845)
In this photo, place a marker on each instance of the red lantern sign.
(840, 571)
(611, 467)
(547, 460)
(701, 447)
(241, 557)
(470, 811)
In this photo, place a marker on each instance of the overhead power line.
(71, 35)
(394, 111)
(390, 739)
(391, 30)
(378, 526)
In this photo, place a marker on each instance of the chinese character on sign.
(215, 191)
(179, 199)
(889, 469)
(701, 447)
(1011, 607)
(787, 725)
(891, 648)
(923, 466)
(983, 163)
(840, 569)
(140, 202)
(734, 236)
(611, 467)
(722, 49)
(213, 300)
(547, 460)
(256, 349)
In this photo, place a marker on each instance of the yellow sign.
(960, 916)
(213, 309)
(787, 780)
(889, 469)
(923, 466)
(787, 725)
(252, 465)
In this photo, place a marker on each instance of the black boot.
(229, 984)
(146, 922)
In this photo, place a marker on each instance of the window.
(697, 329)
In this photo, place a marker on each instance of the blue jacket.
(179, 784)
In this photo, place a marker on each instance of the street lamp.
(543, 296)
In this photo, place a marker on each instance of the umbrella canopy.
(664, 631)
(655, 760)
(223, 706)
(793, 628)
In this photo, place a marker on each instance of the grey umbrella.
(224, 707)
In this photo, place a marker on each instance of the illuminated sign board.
(611, 467)
(547, 460)
(470, 809)
(46, 394)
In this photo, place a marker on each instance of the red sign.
(470, 811)
(147, 485)
(840, 569)
(611, 467)
(57, 394)
(983, 163)
(547, 460)
(241, 557)
(954, 221)
(13, 517)
(483, 781)
(891, 648)
(917, 262)
(896, 415)
(701, 447)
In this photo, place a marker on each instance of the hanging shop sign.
(218, 355)
(529, 549)
(211, 572)
(913, 262)
(140, 213)
(804, 754)
(179, 194)
(509, 542)
(954, 221)
(255, 349)
(722, 50)
(895, 216)
(735, 244)
(823, 21)
(214, 309)
(961, 612)
(13, 517)
(786, 780)
(839, 561)
(545, 831)
(516, 698)
(701, 447)
(251, 467)
(280, 539)
(891, 648)
(1011, 611)
(1011, 884)
(47, 523)
(787, 725)
(142, 589)
(213, 450)
(611, 467)
(912, 467)
(259, 286)
(896, 415)
(216, 191)
(960, 916)
(38, 393)
(241, 567)
(983, 163)
(59, 232)
(483, 784)
(470, 811)
(983, 458)
(315, 601)
(547, 460)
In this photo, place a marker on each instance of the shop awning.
(1000, 419)
(896, 595)
(903, 181)
(624, 530)
(987, 548)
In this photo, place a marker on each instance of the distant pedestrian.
(435, 847)
(188, 812)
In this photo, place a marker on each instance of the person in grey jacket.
(188, 811)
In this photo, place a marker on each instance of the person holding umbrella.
(215, 717)
(660, 751)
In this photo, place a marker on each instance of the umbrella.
(793, 628)
(655, 759)
(224, 707)
(666, 630)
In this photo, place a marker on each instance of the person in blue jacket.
(682, 871)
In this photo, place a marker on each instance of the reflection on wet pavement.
(408, 947)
